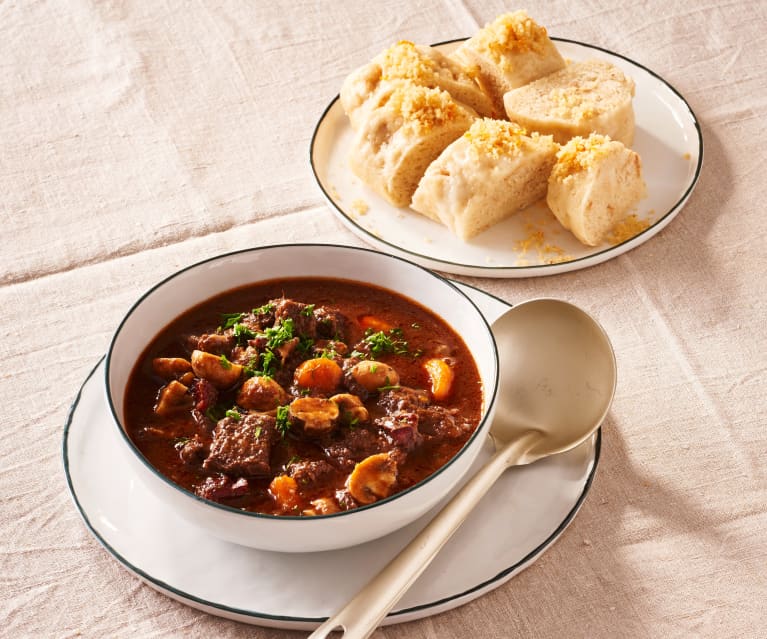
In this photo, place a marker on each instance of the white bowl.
(198, 283)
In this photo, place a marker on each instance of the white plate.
(521, 516)
(668, 139)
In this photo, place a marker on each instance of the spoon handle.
(361, 616)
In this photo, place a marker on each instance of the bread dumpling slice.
(595, 183)
(419, 64)
(584, 97)
(405, 132)
(492, 171)
(509, 52)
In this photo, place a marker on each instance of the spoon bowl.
(557, 376)
(556, 385)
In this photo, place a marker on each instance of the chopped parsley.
(381, 342)
(225, 363)
(263, 310)
(257, 432)
(283, 420)
(308, 310)
(242, 333)
(234, 414)
(229, 319)
(277, 335)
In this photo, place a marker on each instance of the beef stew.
(303, 397)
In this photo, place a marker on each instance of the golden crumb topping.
(423, 107)
(627, 228)
(579, 154)
(404, 61)
(513, 32)
(496, 138)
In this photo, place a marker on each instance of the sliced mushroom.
(322, 506)
(373, 478)
(373, 375)
(352, 411)
(174, 397)
(261, 393)
(318, 415)
(218, 370)
(171, 367)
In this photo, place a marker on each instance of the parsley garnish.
(283, 420)
(263, 310)
(225, 363)
(242, 333)
(234, 414)
(308, 310)
(257, 432)
(268, 364)
(229, 319)
(277, 335)
(380, 342)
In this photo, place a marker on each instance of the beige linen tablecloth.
(139, 137)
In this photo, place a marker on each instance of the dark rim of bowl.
(490, 398)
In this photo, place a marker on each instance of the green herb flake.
(308, 310)
(263, 310)
(234, 414)
(229, 319)
(225, 363)
(257, 432)
(380, 342)
(277, 335)
(283, 420)
(242, 333)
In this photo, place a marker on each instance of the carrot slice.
(441, 376)
(376, 323)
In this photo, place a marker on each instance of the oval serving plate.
(532, 242)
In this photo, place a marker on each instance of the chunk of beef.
(403, 399)
(401, 429)
(304, 322)
(246, 355)
(222, 487)
(204, 393)
(442, 422)
(242, 446)
(331, 324)
(351, 445)
(216, 343)
(310, 473)
(192, 451)
(203, 420)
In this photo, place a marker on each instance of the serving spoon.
(556, 383)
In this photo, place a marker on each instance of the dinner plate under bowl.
(532, 242)
(519, 518)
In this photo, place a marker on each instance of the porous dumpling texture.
(593, 96)
(595, 183)
(492, 171)
(405, 132)
(419, 64)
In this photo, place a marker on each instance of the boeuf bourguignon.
(303, 397)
